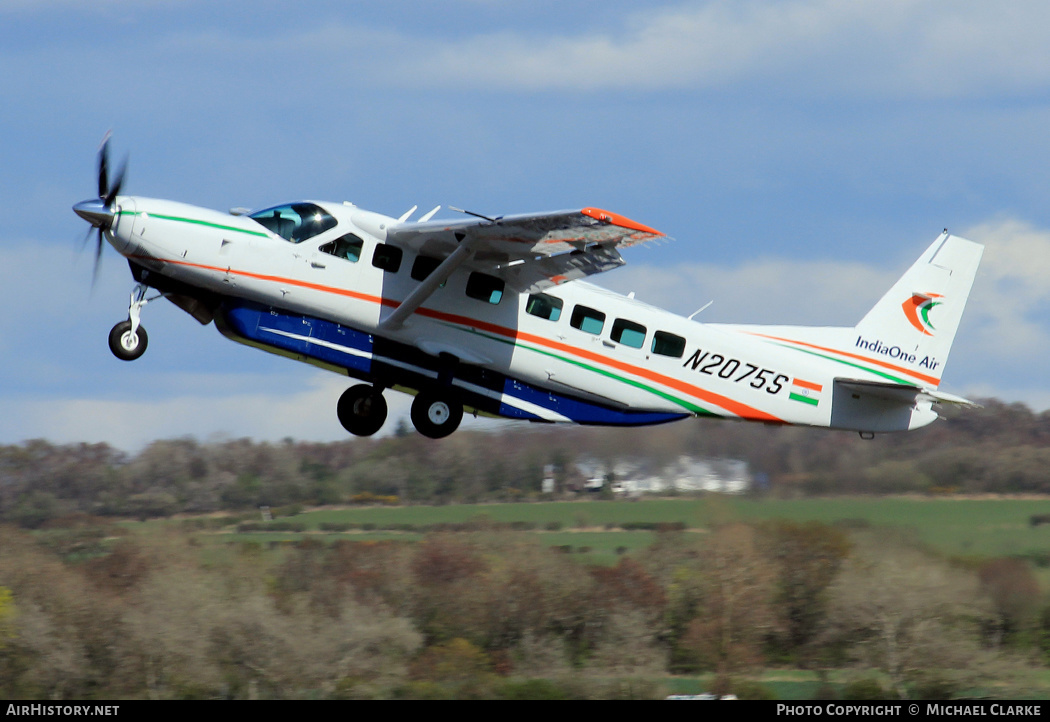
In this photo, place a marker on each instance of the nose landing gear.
(127, 343)
(128, 339)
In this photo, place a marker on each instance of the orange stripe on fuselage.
(742, 410)
(931, 379)
(807, 385)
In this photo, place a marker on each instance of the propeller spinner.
(100, 212)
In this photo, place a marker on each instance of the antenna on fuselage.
(429, 214)
(694, 313)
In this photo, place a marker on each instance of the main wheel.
(124, 344)
(434, 415)
(361, 410)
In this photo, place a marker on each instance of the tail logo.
(917, 311)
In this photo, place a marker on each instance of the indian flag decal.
(806, 392)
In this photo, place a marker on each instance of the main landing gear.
(128, 339)
(436, 415)
(362, 411)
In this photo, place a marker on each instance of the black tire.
(361, 410)
(436, 416)
(124, 345)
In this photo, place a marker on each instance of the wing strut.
(422, 292)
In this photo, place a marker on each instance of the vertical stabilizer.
(916, 321)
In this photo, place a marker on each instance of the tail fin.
(917, 319)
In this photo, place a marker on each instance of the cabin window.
(485, 287)
(295, 222)
(544, 306)
(667, 344)
(387, 257)
(347, 247)
(628, 333)
(588, 320)
(423, 266)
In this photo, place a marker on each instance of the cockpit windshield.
(295, 222)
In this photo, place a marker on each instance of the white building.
(637, 476)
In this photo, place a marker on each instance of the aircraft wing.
(530, 252)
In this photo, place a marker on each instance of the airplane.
(490, 315)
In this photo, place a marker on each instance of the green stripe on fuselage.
(895, 379)
(195, 221)
(688, 405)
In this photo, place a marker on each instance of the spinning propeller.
(100, 212)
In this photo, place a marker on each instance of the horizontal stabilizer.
(901, 393)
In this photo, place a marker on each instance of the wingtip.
(617, 220)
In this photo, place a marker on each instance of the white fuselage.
(775, 375)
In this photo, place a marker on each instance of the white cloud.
(891, 47)
(130, 424)
(764, 291)
(1011, 295)
(1005, 332)
(813, 48)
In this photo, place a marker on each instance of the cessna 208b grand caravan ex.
(489, 315)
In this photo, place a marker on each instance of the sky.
(801, 154)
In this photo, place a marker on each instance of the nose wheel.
(126, 343)
(128, 339)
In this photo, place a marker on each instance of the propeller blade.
(115, 190)
(103, 169)
(84, 240)
(98, 259)
(100, 213)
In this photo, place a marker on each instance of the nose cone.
(95, 212)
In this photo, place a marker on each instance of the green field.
(954, 527)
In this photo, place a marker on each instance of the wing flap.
(535, 275)
(531, 251)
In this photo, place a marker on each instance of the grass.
(964, 528)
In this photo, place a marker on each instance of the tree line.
(500, 615)
(1000, 448)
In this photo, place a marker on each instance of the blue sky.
(801, 152)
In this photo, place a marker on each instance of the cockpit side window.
(295, 222)
(347, 247)
(388, 257)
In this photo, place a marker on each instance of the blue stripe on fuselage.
(328, 342)
(384, 361)
(581, 412)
